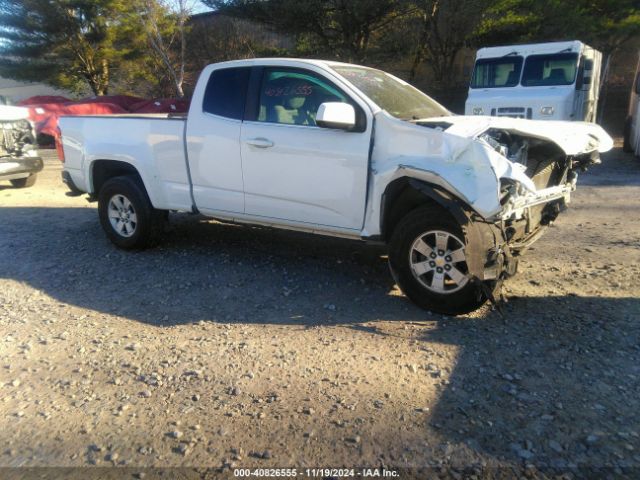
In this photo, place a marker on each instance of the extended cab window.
(226, 92)
(292, 97)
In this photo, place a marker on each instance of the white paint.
(572, 137)
(336, 113)
(154, 146)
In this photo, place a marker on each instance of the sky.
(200, 7)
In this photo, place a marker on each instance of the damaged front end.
(508, 179)
(532, 201)
(548, 174)
(16, 138)
(18, 147)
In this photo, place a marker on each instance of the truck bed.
(153, 143)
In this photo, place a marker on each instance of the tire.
(25, 182)
(126, 214)
(443, 286)
(626, 146)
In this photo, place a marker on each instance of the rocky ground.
(232, 347)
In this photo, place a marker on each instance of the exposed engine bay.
(16, 138)
(553, 174)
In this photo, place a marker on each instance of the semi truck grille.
(513, 112)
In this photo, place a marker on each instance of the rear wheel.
(428, 259)
(126, 214)
(25, 182)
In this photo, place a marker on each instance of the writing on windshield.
(398, 98)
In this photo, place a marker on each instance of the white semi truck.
(542, 81)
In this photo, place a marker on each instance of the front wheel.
(428, 258)
(126, 214)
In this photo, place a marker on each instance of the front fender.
(466, 168)
(486, 249)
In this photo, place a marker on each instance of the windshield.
(398, 98)
(497, 72)
(546, 70)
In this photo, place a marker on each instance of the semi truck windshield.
(497, 72)
(547, 70)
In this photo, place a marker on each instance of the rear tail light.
(59, 148)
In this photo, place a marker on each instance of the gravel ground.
(232, 346)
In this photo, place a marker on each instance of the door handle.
(259, 142)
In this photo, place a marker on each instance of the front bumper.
(516, 207)
(19, 167)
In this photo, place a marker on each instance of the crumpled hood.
(457, 161)
(10, 113)
(574, 138)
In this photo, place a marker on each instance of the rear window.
(497, 72)
(226, 92)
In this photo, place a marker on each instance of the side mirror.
(336, 115)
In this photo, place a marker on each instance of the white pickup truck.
(338, 150)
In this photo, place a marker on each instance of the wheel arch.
(406, 194)
(103, 169)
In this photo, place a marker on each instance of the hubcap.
(122, 215)
(438, 261)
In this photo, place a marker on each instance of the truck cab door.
(296, 172)
(213, 141)
(588, 86)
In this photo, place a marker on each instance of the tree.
(218, 38)
(66, 43)
(339, 28)
(165, 24)
(444, 27)
(605, 24)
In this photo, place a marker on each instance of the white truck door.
(294, 170)
(594, 87)
(587, 86)
(213, 141)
